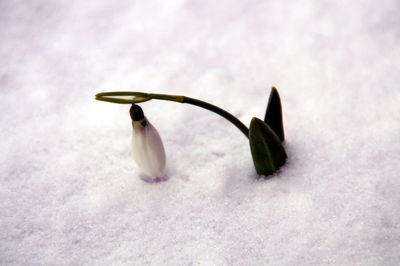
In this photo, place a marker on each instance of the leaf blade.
(273, 114)
(266, 148)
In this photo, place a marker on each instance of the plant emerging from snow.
(265, 136)
(148, 149)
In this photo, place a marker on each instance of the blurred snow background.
(70, 193)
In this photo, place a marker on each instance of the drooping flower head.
(147, 146)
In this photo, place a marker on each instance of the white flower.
(147, 146)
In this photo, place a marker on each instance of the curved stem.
(219, 111)
(183, 99)
(141, 97)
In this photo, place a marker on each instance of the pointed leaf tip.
(266, 148)
(273, 115)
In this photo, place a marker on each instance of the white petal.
(148, 150)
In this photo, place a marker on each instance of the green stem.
(219, 111)
(142, 97)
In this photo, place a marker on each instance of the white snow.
(70, 193)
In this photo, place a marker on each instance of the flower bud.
(147, 146)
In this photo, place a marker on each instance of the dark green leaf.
(273, 115)
(266, 148)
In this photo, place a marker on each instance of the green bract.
(123, 97)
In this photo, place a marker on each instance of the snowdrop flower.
(147, 146)
(265, 137)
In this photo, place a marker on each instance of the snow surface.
(71, 194)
